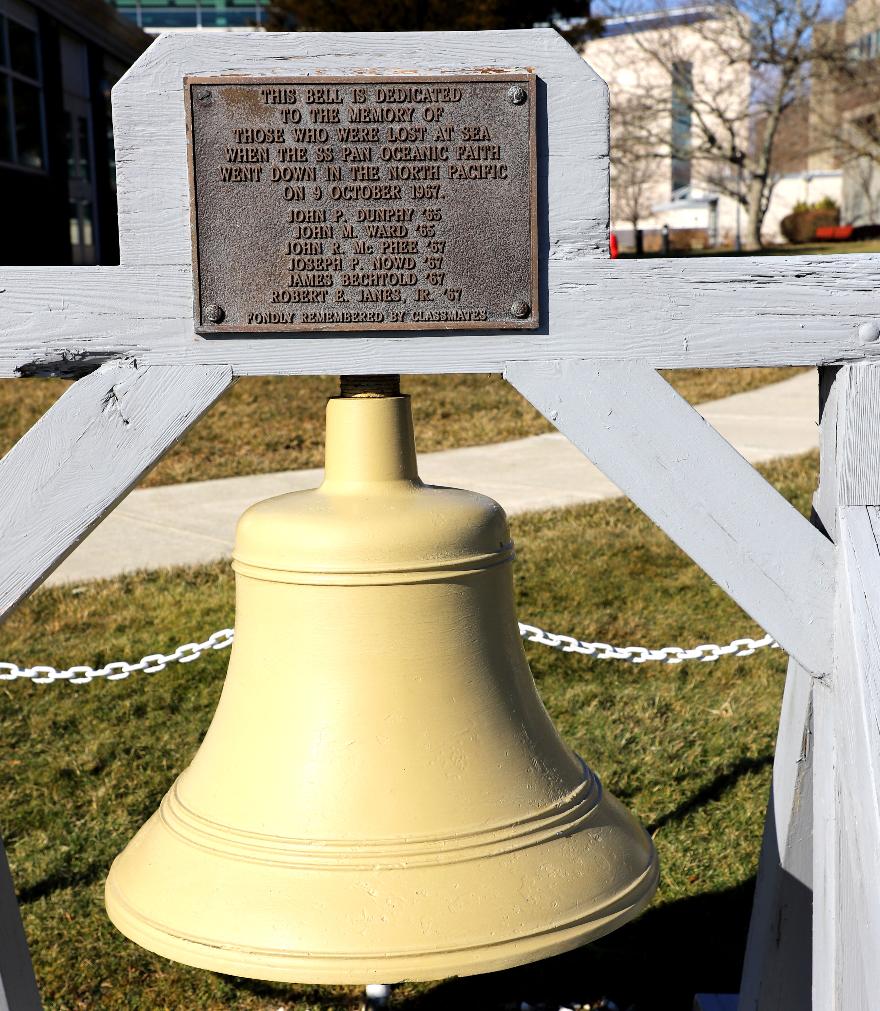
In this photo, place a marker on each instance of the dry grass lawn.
(277, 423)
(688, 748)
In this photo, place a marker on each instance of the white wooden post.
(846, 854)
(589, 367)
(18, 987)
(777, 968)
(829, 836)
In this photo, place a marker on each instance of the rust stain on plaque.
(363, 203)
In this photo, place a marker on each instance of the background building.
(58, 61)
(845, 110)
(677, 76)
(655, 175)
(184, 15)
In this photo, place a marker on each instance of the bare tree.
(747, 63)
(857, 146)
(863, 159)
(845, 106)
(633, 160)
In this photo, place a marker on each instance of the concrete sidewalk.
(193, 523)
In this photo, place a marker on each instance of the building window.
(156, 15)
(865, 48)
(79, 140)
(22, 126)
(112, 71)
(682, 112)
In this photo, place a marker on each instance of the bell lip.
(306, 967)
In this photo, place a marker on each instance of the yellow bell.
(381, 795)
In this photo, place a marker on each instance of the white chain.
(42, 674)
(119, 669)
(641, 654)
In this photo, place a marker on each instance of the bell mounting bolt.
(369, 386)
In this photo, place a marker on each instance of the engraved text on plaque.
(363, 203)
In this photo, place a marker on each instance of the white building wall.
(806, 187)
(625, 63)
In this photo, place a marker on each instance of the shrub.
(801, 224)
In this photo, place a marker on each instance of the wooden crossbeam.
(709, 312)
(657, 449)
(65, 474)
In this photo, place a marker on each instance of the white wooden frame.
(589, 368)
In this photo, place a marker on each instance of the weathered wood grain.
(18, 987)
(829, 847)
(826, 852)
(65, 474)
(845, 771)
(859, 437)
(777, 967)
(654, 446)
(847, 817)
(669, 313)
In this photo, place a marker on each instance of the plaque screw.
(521, 310)
(214, 313)
(204, 96)
(518, 95)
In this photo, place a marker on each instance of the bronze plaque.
(363, 203)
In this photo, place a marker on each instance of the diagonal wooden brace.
(658, 450)
(91, 447)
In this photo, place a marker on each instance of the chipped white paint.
(795, 875)
(846, 970)
(776, 970)
(693, 312)
(823, 826)
(859, 437)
